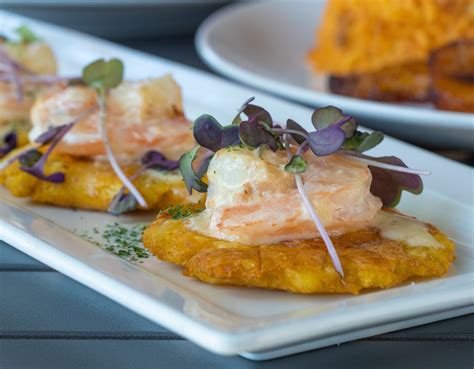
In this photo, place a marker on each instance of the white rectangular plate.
(229, 320)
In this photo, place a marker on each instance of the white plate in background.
(264, 43)
(256, 323)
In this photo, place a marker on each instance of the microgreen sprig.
(122, 201)
(103, 75)
(26, 35)
(33, 161)
(309, 205)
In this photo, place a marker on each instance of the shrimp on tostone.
(113, 147)
(140, 116)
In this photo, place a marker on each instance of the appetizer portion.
(306, 212)
(104, 145)
(27, 69)
(381, 50)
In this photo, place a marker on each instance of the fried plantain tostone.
(369, 261)
(452, 76)
(407, 82)
(92, 185)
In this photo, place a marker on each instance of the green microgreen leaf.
(254, 135)
(30, 158)
(102, 75)
(192, 179)
(26, 35)
(329, 115)
(363, 141)
(370, 141)
(297, 164)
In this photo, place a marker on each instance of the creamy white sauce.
(392, 226)
(397, 227)
(254, 202)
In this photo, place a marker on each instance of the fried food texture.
(304, 266)
(408, 82)
(92, 185)
(361, 36)
(452, 75)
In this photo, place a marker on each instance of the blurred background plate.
(120, 19)
(264, 44)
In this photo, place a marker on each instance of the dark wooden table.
(49, 321)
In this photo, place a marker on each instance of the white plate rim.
(405, 114)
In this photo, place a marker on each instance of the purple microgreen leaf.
(330, 115)
(292, 125)
(10, 143)
(36, 169)
(102, 74)
(237, 119)
(230, 136)
(256, 113)
(122, 203)
(38, 172)
(33, 161)
(389, 184)
(191, 179)
(48, 136)
(254, 135)
(297, 164)
(156, 160)
(326, 141)
(209, 133)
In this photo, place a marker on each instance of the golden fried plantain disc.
(406, 82)
(369, 261)
(452, 75)
(92, 185)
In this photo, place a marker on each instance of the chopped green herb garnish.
(120, 240)
(180, 212)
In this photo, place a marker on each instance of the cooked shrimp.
(12, 109)
(36, 57)
(252, 200)
(141, 116)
